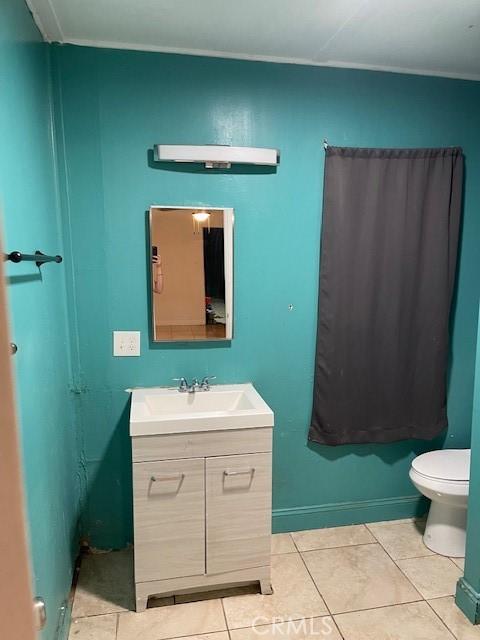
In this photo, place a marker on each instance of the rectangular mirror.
(192, 273)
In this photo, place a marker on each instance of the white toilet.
(443, 476)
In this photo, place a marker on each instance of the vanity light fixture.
(215, 156)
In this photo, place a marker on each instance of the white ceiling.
(434, 37)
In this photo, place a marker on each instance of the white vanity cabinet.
(202, 508)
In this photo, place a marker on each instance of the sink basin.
(159, 410)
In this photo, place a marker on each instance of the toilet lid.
(449, 464)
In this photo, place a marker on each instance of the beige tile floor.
(361, 582)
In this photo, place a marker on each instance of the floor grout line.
(442, 621)
(430, 555)
(196, 635)
(99, 615)
(294, 543)
(452, 561)
(382, 606)
(392, 523)
(411, 582)
(225, 618)
(401, 570)
(340, 546)
(319, 593)
(277, 621)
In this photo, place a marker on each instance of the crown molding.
(129, 46)
(46, 20)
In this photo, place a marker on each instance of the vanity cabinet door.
(238, 508)
(169, 517)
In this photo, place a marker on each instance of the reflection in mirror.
(192, 273)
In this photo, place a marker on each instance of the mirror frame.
(228, 224)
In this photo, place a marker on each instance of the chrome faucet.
(194, 386)
(205, 384)
(184, 387)
(182, 384)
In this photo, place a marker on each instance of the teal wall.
(30, 220)
(114, 105)
(468, 589)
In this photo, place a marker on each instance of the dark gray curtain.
(389, 246)
(214, 262)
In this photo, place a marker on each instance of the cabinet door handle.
(240, 472)
(171, 476)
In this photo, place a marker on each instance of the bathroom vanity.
(202, 468)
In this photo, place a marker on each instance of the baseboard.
(342, 513)
(468, 600)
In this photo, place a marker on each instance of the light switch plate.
(126, 343)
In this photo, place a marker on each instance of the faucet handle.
(183, 386)
(205, 385)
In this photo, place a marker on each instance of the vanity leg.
(141, 604)
(266, 588)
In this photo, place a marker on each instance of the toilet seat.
(448, 465)
(433, 488)
(440, 484)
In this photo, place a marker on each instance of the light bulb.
(201, 216)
